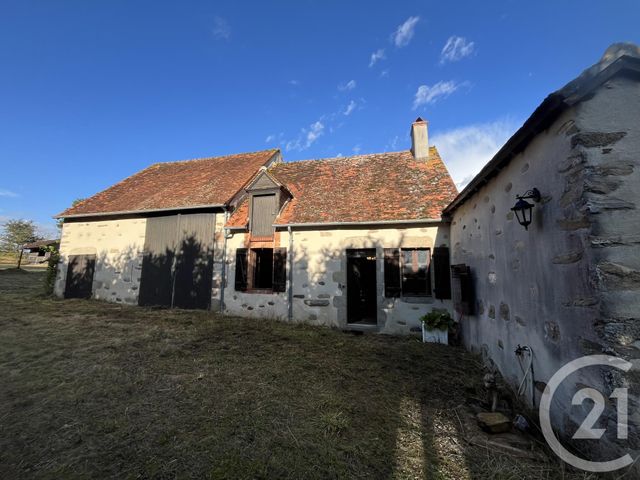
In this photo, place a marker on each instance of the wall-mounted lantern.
(523, 209)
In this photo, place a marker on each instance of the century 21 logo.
(586, 431)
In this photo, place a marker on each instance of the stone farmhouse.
(355, 242)
(373, 242)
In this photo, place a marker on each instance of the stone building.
(354, 242)
(360, 240)
(369, 242)
(569, 284)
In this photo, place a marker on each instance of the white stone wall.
(218, 259)
(118, 246)
(319, 277)
(569, 285)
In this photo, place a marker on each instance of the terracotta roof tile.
(240, 217)
(190, 183)
(376, 187)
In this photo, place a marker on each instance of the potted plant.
(435, 326)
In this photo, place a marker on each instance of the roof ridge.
(171, 162)
(345, 189)
(351, 157)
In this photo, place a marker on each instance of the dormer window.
(263, 214)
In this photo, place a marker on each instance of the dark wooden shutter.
(463, 291)
(392, 286)
(441, 273)
(279, 269)
(241, 269)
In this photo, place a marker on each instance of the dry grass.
(8, 259)
(94, 390)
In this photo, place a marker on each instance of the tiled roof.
(377, 187)
(240, 217)
(41, 243)
(171, 185)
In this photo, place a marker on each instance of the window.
(407, 272)
(263, 269)
(416, 274)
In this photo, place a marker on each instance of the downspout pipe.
(223, 277)
(290, 289)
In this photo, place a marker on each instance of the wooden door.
(80, 276)
(361, 287)
(177, 268)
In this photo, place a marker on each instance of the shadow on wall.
(338, 276)
(79, 279)
(177, 277)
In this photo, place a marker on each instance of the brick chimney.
(420, 139)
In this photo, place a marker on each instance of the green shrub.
(437, 320)
(52, 272)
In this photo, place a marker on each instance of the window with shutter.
(416, 271)
(407, 272)
(441, 273)
(279, 269)
(392, 286)
(241, 269)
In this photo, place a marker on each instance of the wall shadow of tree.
(179, 278)
(79, 279)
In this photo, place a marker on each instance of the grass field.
(94, 390)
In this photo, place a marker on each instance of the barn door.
(156, 281)
(177, 267)
(194, 261)
(80, 276)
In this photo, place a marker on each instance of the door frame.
(352, 253)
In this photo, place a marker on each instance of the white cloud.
(345, 87)
(431, 94)
(221, 28)
(350, 108)
(455, 49)
(307, 137)
(384, 73)
(404, 33)
(357, 149)
(7, 193)
(295, 83)
(465, 150)
(315, 132)
(376, 57)
(270, 138)
(392, 144)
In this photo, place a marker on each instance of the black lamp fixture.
(522, 208)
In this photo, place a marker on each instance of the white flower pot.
(435, 336)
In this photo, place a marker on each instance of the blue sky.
(91, 92)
